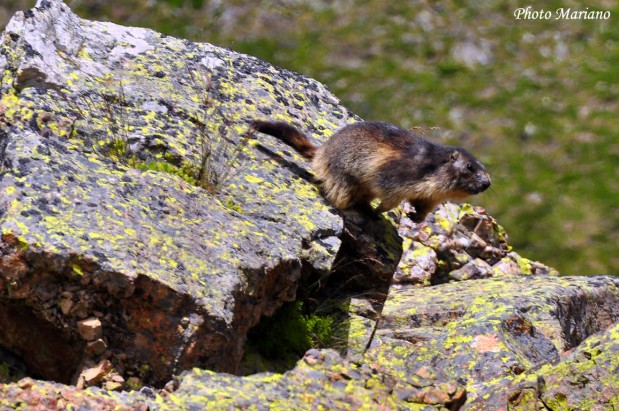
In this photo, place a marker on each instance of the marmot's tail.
(287, 134)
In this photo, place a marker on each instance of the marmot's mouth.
(482, 187)
(477, 190)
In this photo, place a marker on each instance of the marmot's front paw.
(416, 217)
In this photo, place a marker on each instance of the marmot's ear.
(454, 155)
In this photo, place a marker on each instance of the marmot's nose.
(486, 181)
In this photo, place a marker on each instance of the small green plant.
(111, 107)
(12, 369)
(118, 148)
(5, 374)
(320, 329)
(187, 171)
(217, 161)
(289, 333)
(233, 206)
(282, 335)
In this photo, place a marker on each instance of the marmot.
(368, 160)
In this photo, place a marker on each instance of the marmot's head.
(468, 175)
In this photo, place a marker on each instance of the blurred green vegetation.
(536, 100)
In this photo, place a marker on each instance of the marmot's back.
(369, 160)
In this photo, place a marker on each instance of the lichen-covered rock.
(32, 395)
(321, 380)
(585, 379)
(132, 193)
(458, 243)
(485, 333)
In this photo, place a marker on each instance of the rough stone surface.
(321, 380)
(32, 395)
(587, 378)
(90, 328)
(458, 243)
(484, 333)
(179, 272)
(93, 376)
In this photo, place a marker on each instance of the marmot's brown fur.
(369, 160)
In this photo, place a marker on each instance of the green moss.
(187, 171)
(233, 206)
(164, 167)
(118, 148)
(5, 373)
(283, 335)
(289, 333)
(320, 329)
(134, 384)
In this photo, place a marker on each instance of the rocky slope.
(145, 230)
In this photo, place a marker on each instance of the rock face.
(587, 379)
(174, 273)
(145, 230)
(488, 331)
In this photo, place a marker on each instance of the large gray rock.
(484, 333)
(586, 378)
(103, 132)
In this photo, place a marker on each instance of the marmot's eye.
(470, 167)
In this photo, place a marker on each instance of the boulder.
(132, 189)
(487, 332)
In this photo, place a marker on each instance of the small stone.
(426, 373)
(96, 347)
(449, 387)
(412, 394)
(433, 395)
(45, 292)
(310, 360)
(113, 386)
(25, 383)
(170, 386)
(118, 378)
(65, 305)
(90, 329)
(93, 376)
(477, 241)
(80, 310)
(313, 357)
